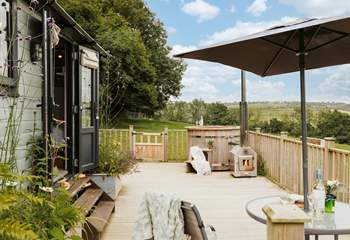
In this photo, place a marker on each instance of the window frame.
(9, 83)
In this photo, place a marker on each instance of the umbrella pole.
(243, 110)
(303, 118)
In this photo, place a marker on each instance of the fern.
(15, 230)
(6, 201)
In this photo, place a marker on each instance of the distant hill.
(268, 110)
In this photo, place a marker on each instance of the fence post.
(131, 145)
(285, 222)
(328, 162)
(165, 144)
(284, 135)
(131, 140)
(257, 138)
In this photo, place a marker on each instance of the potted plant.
(113, 162)
(210, 143)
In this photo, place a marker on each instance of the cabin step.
(60, 175)
(98, 220)
(78, 185)
(88, 199)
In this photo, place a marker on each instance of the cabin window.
(4, 38)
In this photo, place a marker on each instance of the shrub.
(113, 160)
(46, 214)
(262, 169)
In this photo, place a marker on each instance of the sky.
(192, 24)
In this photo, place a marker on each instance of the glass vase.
(329, 203)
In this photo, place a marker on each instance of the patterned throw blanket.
(199, 162)
(159, 218)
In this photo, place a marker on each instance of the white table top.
(337, 223)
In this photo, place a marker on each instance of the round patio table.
(337, 223)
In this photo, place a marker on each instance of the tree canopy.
(141, 75)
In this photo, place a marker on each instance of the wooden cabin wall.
(29, 88)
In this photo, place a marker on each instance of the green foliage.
(14, 230)
(213, 113)
(113, 160)
(334, 124)
(320, 123)
(38, 215)
(140, 74)
(150, 125)
(217, 114)
(262, 168)
(178, 111)
(40, 162)
(326, 123)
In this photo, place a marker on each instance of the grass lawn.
(145, 125)
(342, 146)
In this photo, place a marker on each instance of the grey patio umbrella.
(300, 45)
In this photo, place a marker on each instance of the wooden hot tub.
(223, 138)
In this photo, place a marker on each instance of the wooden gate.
(150, 146)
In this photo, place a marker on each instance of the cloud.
(337, 83)
(264, 89)
(319, 8)
(241, 29)
(171, 30)
(215, 82)
(202, 10)
(176, 49)
(257, 7)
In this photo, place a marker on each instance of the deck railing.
(168, 145)
(283, 160)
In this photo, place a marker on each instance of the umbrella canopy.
(300, 45)
(274, 51)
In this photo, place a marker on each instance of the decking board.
(78, 185)
(220, 198)
(88, 199)
(101, 214)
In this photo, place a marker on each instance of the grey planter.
(111, 185)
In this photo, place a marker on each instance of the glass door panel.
(86, 97)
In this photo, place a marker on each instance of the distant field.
(264, 111)
(146, 125)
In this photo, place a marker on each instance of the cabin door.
(88, 109)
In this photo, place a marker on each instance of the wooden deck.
(220, 198)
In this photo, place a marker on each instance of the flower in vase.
(332, 186)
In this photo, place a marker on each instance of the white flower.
(46, 189)
(332, 183)
(11, 184)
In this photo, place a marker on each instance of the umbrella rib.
(334, 31)
(279, 52)
(279, 45)
(327, 43)
(313, 37)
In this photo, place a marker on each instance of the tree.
(216, 114)
(334, 124)
(197, 109)
(141, 72)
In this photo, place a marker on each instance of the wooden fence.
(168, 145)
(283, 159)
